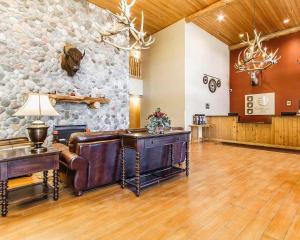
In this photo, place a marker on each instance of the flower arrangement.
(158, 122)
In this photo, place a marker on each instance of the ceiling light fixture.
(220, 17)
(255, 57)
(241, 35)
(136, 54)
(286, 21)
(124, 23)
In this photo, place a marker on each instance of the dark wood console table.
(143, 140)
(20, 162)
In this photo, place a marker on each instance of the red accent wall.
(282, 78)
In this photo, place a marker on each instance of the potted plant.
(158, 122)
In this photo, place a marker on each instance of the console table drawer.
(159, 141)
(182, 138)
(31, 165)
(151, 143)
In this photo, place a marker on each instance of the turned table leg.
(171, 154)
(187, 159)
(45, 181)
(138, 173)
(123, 167)
(55, 185)
(4, 197)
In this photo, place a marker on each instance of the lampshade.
(37, 105)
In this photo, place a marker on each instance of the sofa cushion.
(86, 137)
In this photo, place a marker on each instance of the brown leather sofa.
(93, 159)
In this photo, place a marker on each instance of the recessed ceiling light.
(241, 35)
(220, 17)
(286, 21)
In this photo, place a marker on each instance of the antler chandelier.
(255, 57)
(123, 22)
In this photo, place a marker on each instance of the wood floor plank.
(294, 230)
(281, 222)
(267, 238)
(232, 193)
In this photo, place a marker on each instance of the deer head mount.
(123, 22)
(255, 58)
(71, 59)
(254, 79)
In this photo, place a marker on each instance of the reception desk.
(280, 132)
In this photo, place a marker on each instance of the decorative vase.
(159, 130)
(158, 122)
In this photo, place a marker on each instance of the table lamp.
(37, 105)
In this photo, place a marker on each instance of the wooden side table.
(142, 141)
(196, 136)
(19, 162)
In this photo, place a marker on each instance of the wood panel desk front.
(281, 132)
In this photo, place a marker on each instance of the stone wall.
(32, 36)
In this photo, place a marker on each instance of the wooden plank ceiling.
(239, 18)
(159, 13)
(238, 15)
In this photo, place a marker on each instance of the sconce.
(136, 87)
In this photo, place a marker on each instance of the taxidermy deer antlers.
(255, 57)
(122, 23)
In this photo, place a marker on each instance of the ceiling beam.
(213, 7)
(269, 37)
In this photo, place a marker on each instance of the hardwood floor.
(232, 193)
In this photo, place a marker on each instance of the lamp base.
(37, 133)
(38, 149)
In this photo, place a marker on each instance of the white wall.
(173, 70)
(204, 54)
(163, 74)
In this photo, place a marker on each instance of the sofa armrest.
(60, 147)
(70, 159)
(75, 163)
